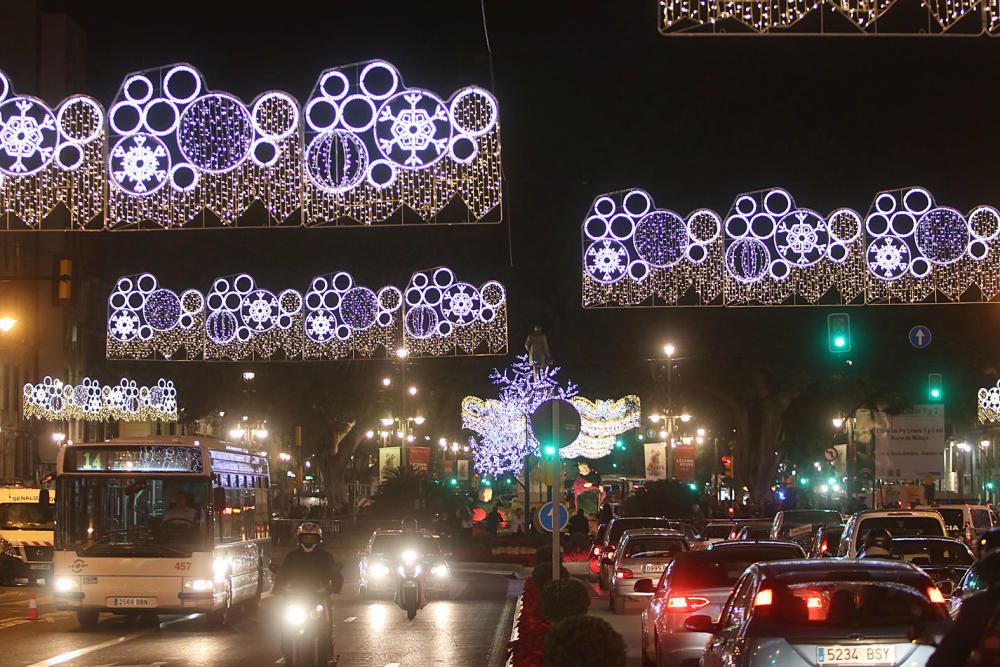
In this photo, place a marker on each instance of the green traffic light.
(453, 481)
(692, 486)
(935, 393)
(487, 482)
(990, 486)
(804, 481)
(640, 437)
(839, 341)
(549, 450)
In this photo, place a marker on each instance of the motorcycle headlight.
(295, 615)
(379, 570)
(440, 570)
(409, 556)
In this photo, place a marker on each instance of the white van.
(899, 523)
(963, 522)
(26, 534)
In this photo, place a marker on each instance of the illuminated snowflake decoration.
(124, 325)
(413, 129)
(28, 136)
(260, 310)
(888, 257)
(139, 164)
(606, 260)
(321, 326)
(461, 303)
(52, 400)
(801, 237)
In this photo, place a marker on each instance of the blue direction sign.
(920, 336)
(545, 516)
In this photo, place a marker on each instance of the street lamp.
(58, 437)
(261, 433)
(685, 418)
(6, 324)
(838, 422)
(412, 391)
(387, 421)
(386, 382)
(655, 418)
(285, 456)
(237, 433)
(369, 434)
(700, 433)
(248, 376)
(418, 420)
(402, 353)
(669, 350)
(443, 442)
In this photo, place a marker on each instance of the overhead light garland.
(862, 17)
(52, 400)
(364, 148)
(768, 251)
(334, 318)
(989, 404)
(504, 438)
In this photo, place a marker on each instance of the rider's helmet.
(308, 535)
(878, 538)
(988, 542)
(409, 525)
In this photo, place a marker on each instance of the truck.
(27, 524)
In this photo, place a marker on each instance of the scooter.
(410, 594)
(306, 637)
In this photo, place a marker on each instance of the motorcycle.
(306, 637)
(410, 594)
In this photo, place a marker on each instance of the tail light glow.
(935, 595)
(686, 604)
(764, 598)
(623, 573)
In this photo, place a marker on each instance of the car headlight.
(66, 584)
(440, 570)
(378, 570)
(220, 568)
(295, 615)
(409, 556)
(199, 585)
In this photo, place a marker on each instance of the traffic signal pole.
(556, 493)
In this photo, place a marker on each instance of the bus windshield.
(26, 516)
(139, 516)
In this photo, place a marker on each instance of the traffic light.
(549, 451)
(487, 482)
(618, 444)
(935, 388)
(838, 332)
(804, 481)
(453, 481)
(990, 485)
(692, 486)
(727, 464)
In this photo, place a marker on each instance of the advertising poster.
(388, 459)
(684, 462)
(463, 470)
(656, 460)
(910, 446)
(420, 458)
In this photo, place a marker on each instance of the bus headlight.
(220, 568)
(66, 585)
(199, 585)
(295, 615)
(440, 570)
(379, 570)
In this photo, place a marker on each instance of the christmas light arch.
(53, 400)
(767, 250)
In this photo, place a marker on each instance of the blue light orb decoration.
(421, 322)
(359, 307)
(747, 260)
(336, 161)
(221, 326)
(942, 235)
(162, 310)
(215, 133)
(661, 238)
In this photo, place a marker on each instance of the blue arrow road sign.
(920, 336)
(545, 516)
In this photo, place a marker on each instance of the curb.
(513, 629)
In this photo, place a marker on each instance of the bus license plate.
(856, 655)
(132, 603)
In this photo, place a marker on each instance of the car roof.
(827, 568)
(929, 538)
(735, 544)
(866, 514)
(813, 511)
(652, 532)
(947, 505)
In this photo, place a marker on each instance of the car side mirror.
(644, 586)
(700, 623)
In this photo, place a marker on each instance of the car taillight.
(609, 554)
(685, 604)
(935, 595)
(764, 598)
(623, 573)
(823, 547)
(597, 552)
(814, 602)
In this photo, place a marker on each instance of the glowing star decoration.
(50, 158)
(334, 318)
(768, 251)
(442, 315)
(864, 17)
(989, 405)
(375, 149)
(180, 151)
(52, 400)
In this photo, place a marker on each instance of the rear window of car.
(601, 532)
(653, 547)
(717, 530)
(931, 553)
(801, 518)
(981, 519)
(954, 519)
(756, 532)
(901, 526)
(723, 568)
(833, 607)
(619, 526)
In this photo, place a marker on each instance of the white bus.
(160, 525)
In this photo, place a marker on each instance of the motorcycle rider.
(310, 567)
(877, 544)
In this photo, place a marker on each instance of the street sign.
(566, 423)
(920, 336)
(830, 454)
(545, 516)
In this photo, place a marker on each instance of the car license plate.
(132, 603)
(856, 655)
(654, 567)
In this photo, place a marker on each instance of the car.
(826, 541)
(801, 525)
(945, 560)
(751, 531)
(899, 523)
(378, 560)
(714, 531)
(594, 559)
(826, 612)
(643, 551)
(972, 583)
(963, 521)
(617, 528)
(696, 582)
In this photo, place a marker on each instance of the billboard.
(388, 459)
(684, 462)
(419, 458)
(910, 446)
(656, 460)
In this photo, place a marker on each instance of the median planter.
(530, 628)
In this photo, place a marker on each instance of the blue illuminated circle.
(215, 133)
(661, 238)
(747, 260)
(162, 310)
(359, 308)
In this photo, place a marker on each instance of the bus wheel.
(87, 618)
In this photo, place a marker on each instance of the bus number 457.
(182, 565)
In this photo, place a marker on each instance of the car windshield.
(619, 526)
(141, 516)
(724, 568)
(826, 608)
(901, 526)
(716, 530)
(27, 516)
(653, 547)
(931, 552)
(812, 517)
(755, 532)
(396, 543)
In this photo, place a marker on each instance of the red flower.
(532, 627)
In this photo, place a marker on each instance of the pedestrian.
(493, 521)
(606, 514)
(465, 517)
(579, 531)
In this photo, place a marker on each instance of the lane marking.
(279, 661)
(392, 664)
(350, 619)
(86, 650)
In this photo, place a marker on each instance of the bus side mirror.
(218, 498)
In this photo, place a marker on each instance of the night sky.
(593, 100)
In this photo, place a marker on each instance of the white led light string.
(52, 400)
